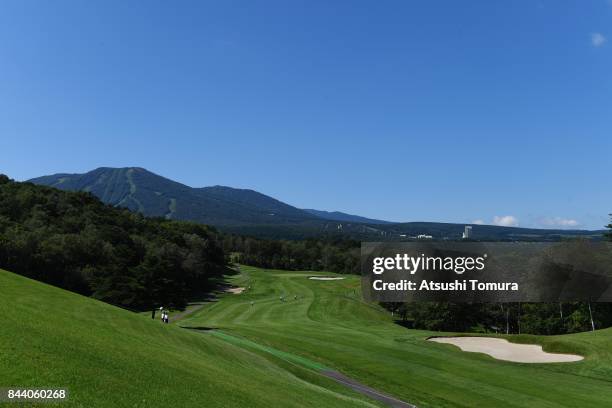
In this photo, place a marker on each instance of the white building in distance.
(467, 232)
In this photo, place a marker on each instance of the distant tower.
(467, 232)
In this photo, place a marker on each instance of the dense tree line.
(74, 241)
(334, 255)
(513, 318)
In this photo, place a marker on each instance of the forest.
(508, 318)
(324, 254)
(74, 241)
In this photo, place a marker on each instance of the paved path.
(309, 364)
(365, 390)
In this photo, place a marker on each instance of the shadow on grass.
(199, 328)
(408, 324)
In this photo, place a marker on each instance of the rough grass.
(109, 357)
(330, 325)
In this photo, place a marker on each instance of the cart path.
(309, 364)
(365, 390)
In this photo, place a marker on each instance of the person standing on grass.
(165, 316)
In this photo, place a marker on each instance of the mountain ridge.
(153, 195)
(342, 216)
(246, 211)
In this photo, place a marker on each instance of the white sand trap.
(502, 349)
(235, 291)
(325, 278)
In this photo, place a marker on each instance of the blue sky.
(497, 112)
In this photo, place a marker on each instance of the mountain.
(340, 216)
(251, 213)
(153, 195)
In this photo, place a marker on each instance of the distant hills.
(252, 213)
(340, 216)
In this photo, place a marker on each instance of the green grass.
(328, 324)
(268, 354)
(109, 357)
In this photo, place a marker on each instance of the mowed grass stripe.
(243, 342)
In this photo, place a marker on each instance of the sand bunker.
(235, 291)
(325, 278)
(502, 349)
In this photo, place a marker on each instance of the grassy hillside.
(109, 357)
(328, 323)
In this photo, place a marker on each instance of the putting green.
(329, 324)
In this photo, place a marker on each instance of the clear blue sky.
(401, 110)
